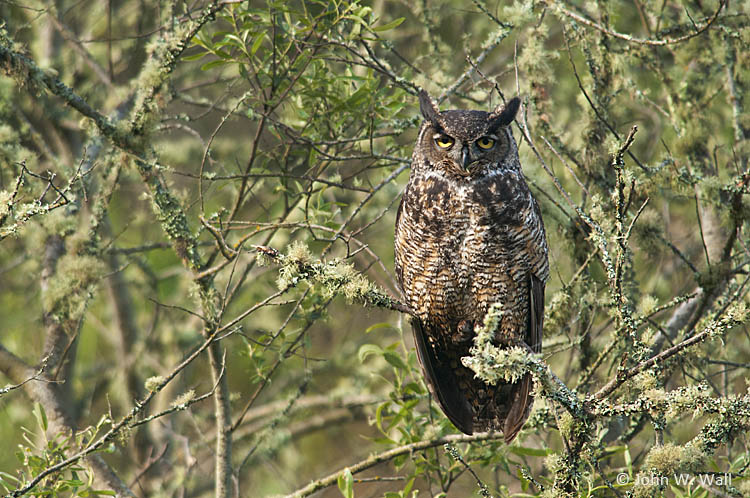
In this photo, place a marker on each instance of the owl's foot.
(464, 332)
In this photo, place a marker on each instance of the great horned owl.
(469, 234)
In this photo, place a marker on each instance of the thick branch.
(23, 67)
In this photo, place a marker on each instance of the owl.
(469, 234)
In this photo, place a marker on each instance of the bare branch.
(385, 456)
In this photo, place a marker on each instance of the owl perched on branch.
(470, 234)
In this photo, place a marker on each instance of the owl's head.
(466, 144)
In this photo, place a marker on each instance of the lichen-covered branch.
(335, 277)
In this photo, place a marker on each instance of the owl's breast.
(500, 200)
(430, 229)
(458, 245)
(493, 238)
(451, 238)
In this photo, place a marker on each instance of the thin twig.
(390, 455)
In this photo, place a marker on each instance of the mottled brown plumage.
(469, 234)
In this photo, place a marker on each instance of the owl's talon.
(464, 331)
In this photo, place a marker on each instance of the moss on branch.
(334, 277)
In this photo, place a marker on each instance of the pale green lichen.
(521, 11)
(298, 252)
(183, 399)
(646, 486)
(28, 209)
(535, 58)
(737, 312)
(554, 462)
(5, 203)
(492, 363)
(670, 459)
(665, 459)
(262, 259)
(153, 383)
(599, 214)
(648, 304)
(333, 277)
(60, 222)
(355, 287)
(123, 436)
(566, 424)
(510, 363)
(686, 399)
(646, 380)
(744, 487)
(550, 493)
(289, 276)
(648, 231)
(559, 311)
(68, 292)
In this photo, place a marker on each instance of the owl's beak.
(465, 159)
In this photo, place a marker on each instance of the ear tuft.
(503, 116)
(429, 108)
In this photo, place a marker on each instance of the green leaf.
(257, 43)
(346, 484)
(195, 57)
(233, 39)
(368, 349)
(214, 63)
(41, 416)
(358, 97)
(395, 360)
(390, 25)
(408, 486)
(378, 418)
(381, 325)
(4, 476)
(628, 462)
(363, 11)
(412, 387)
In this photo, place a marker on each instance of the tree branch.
(390, 455)
(641, 41)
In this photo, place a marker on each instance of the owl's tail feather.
(441, 380)
(521, 401)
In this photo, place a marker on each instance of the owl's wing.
(441, 380)
(521, 394)
(536, 314)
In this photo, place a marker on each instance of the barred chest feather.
(460, 248)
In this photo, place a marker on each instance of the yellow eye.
(485, 143)
(444, 141)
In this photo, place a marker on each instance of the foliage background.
(196, 214)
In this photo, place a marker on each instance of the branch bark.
(390, 455)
